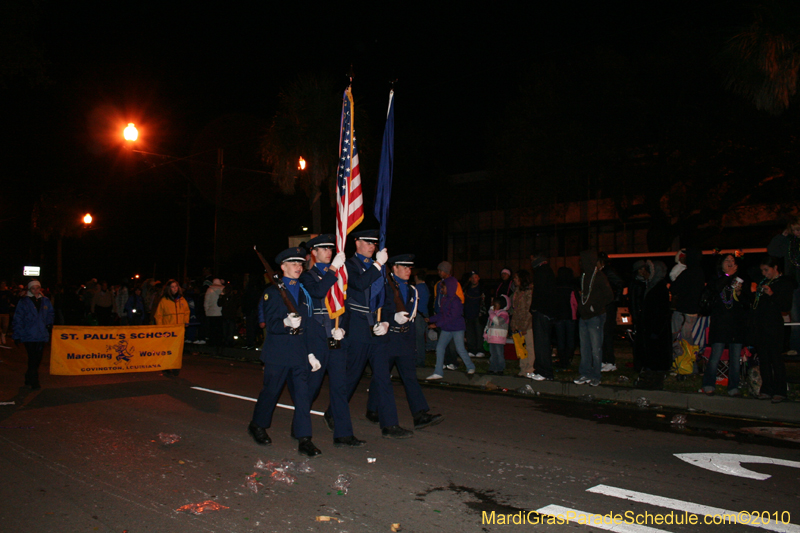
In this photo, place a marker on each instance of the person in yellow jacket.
(172, 309)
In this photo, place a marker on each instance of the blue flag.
(384, 192)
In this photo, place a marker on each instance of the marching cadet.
(325, 340)
(367, 336)
(400, 309)
(284, 311)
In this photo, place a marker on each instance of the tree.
(58, 214)
(763, 58)
(306, 125)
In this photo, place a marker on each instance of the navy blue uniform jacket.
(400, 342)
(280, 348)
(360, 277)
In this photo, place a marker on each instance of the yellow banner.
(82, 350)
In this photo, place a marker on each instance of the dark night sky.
(189, 75)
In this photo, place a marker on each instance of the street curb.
(718, 405)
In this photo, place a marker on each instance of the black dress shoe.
(426, 419)
(372, 416)
(350, 441)
(396, 432)
(259, 434)
(328, 418)
(306, 447)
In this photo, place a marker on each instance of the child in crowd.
(496, 333)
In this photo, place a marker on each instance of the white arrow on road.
(731, 463)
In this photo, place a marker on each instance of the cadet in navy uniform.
(317, 280)
(366, 336)
(399, 351)
(285, 354)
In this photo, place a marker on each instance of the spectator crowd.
(726, 312)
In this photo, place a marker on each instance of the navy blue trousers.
(334, 362)
(358, 354)
(275, 377)
(382, 400)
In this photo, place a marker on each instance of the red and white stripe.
(349, 214)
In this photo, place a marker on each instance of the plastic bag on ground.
(283, 477)
(168, 438)
(642, 402)
(342, 483)
(527, 390)
(200, 508)
(679, 420)
(303, 467)
(252, 483)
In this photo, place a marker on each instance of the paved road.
(83, 454)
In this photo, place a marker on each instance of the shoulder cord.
(309, 303)
(591, 284)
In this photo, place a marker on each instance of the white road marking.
(694, 508)
(228, 394)
(730, 463)
(595, 520)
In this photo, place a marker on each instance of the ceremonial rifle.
(281, 287)
(398, 300)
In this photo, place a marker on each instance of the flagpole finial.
(351, 74)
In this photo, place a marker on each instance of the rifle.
(398, 300)
(282, 288)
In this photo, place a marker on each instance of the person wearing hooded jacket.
(33, 321)
(172, 308)
(450, 318)
(687, 289)
(655, 320)
(595, 295)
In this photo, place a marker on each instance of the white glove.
(339, 260)
(401, 317)
(337, 333)
(381, 328)
(314, 362)
(292, 321)
(381, 257)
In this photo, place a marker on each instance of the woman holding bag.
(521, 320)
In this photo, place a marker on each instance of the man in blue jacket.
(285, 353)
(400, 310)
(367, 333)
(33, 321)
(325, 340)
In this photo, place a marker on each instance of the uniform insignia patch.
(266, 297)
(293, 282)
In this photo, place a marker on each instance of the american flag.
(349, 201)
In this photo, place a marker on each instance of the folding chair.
(724, 361)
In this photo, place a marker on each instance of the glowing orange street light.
(87, 219)
(130, 133)
(302, 164)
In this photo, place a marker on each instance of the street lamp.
(87, 219)
(130, 133)
(302, 164)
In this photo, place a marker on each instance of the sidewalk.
(788, 411)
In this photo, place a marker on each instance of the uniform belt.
(399, 329)
(320, 311)
(360, 308)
